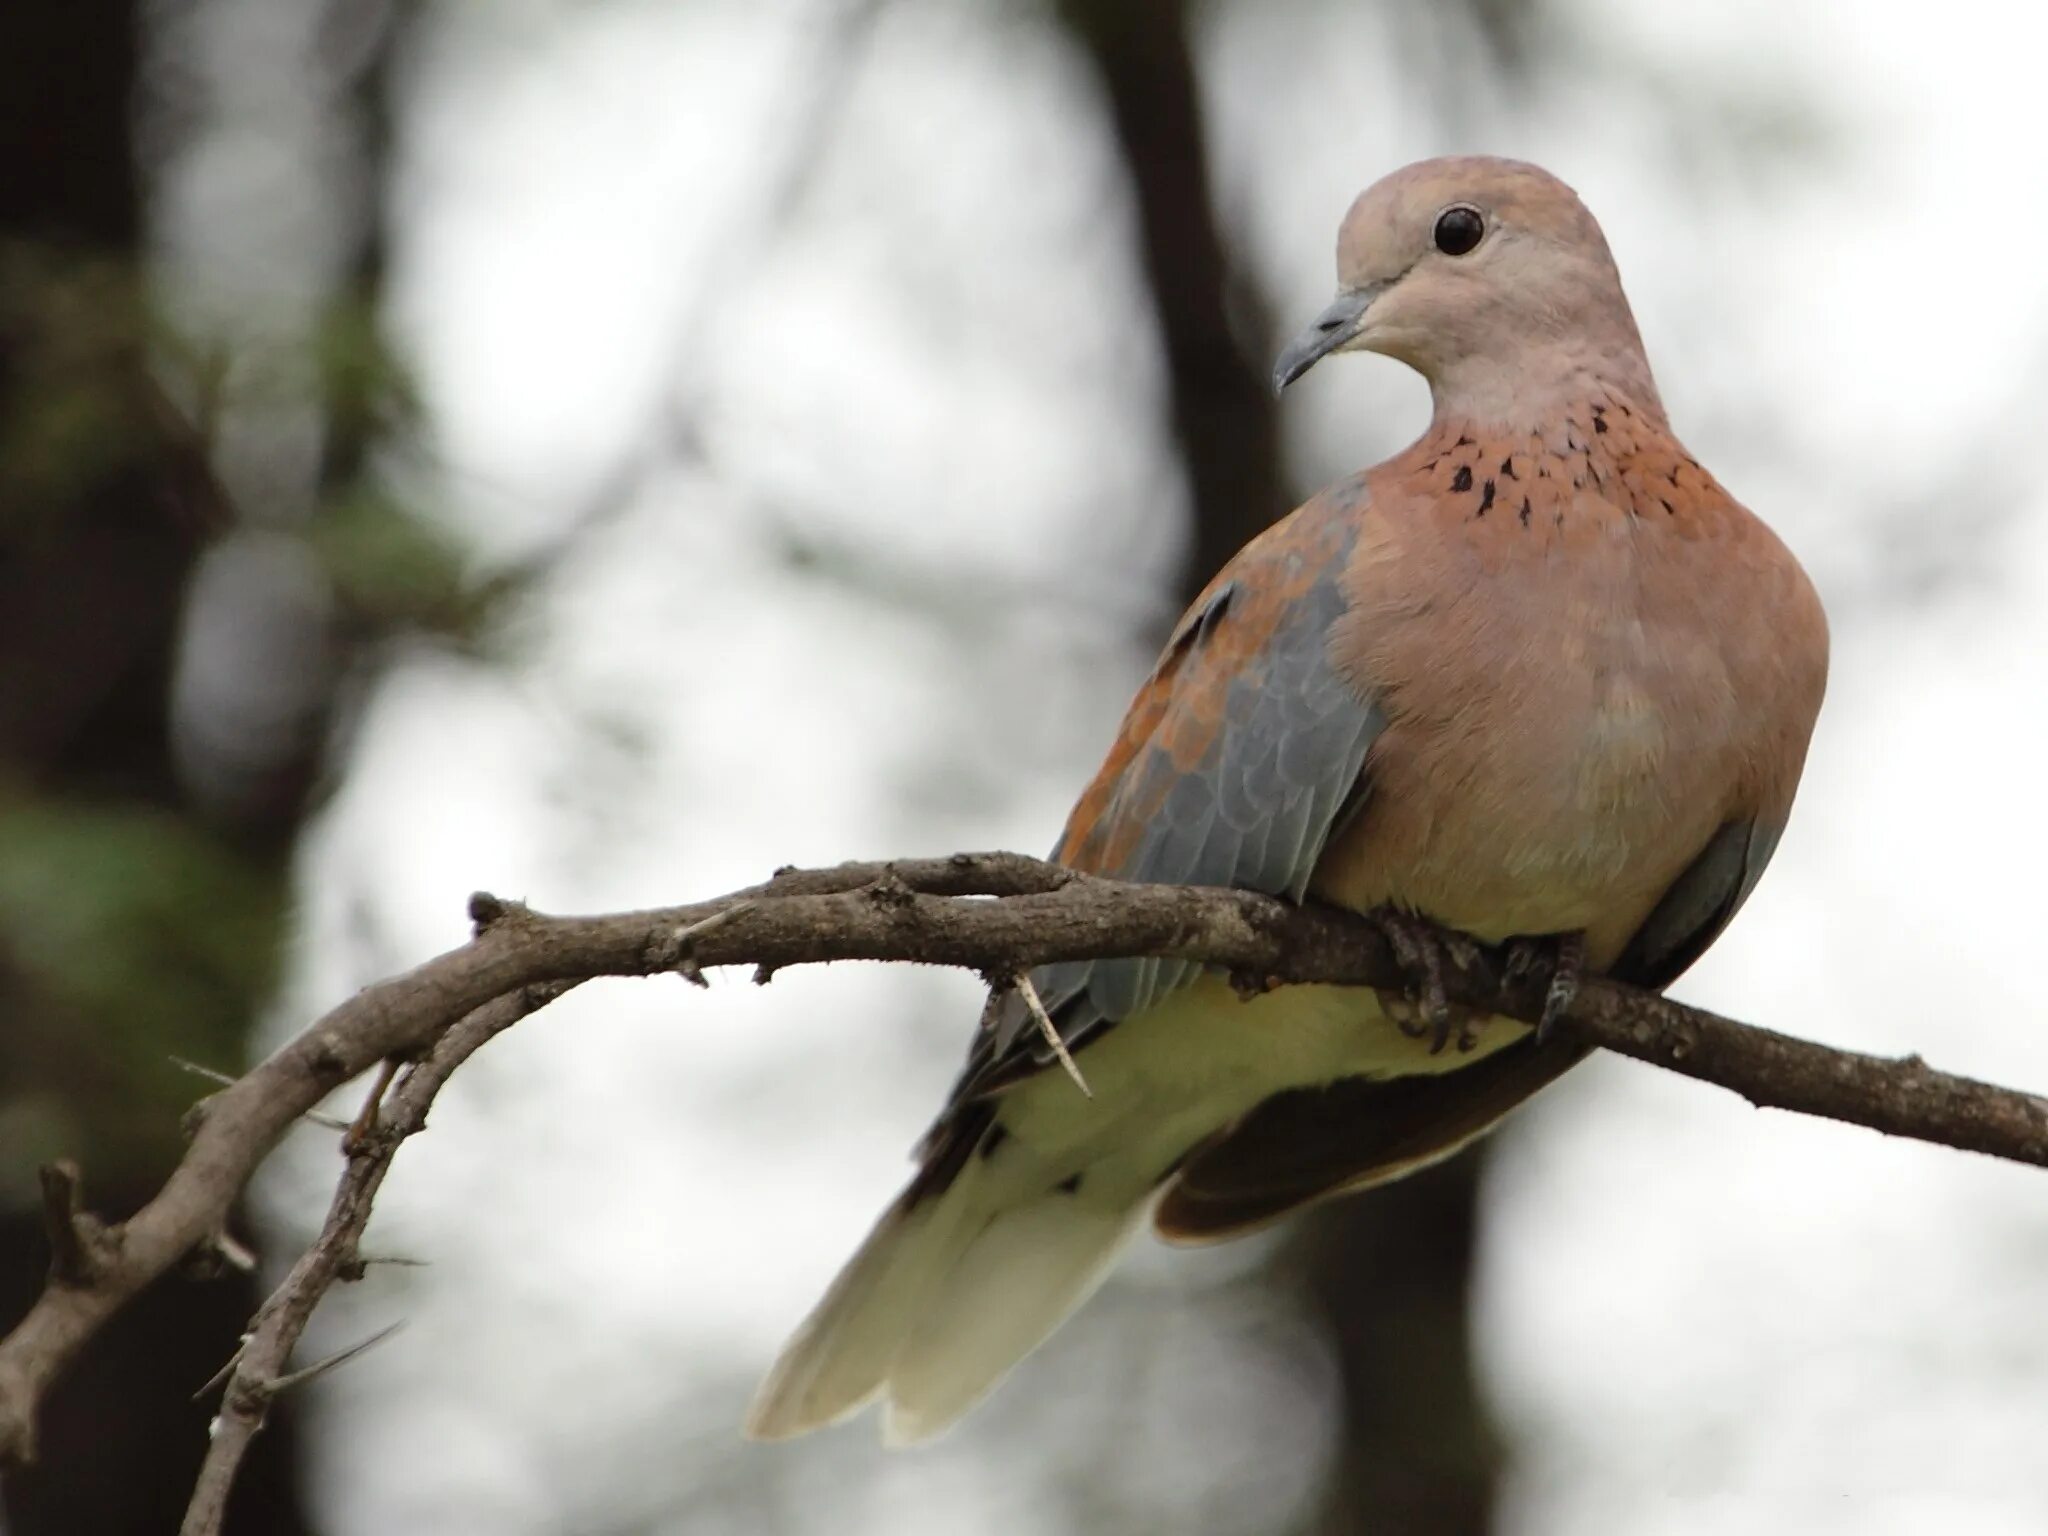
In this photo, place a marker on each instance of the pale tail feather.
(1022, 1276)
(838, 1358)
(937, 1306)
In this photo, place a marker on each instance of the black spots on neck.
(1523, 515)
(1507, 468)
(1599, 418)
(1485, 499)
(1462, 480)
(1669, 510)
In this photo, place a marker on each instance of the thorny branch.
(935, 911)
(256, 1375)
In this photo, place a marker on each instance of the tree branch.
(257, 1374)
(933, 911)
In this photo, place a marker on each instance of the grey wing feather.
(1699, 904)
(1254, 813)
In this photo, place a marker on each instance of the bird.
(1538, 679)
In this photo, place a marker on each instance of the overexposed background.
(799, 358)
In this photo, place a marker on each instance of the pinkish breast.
(1572, 713)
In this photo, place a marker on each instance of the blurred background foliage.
(241, 524)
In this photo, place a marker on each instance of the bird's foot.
(1421, 947)
(1564, 956)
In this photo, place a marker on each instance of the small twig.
(257, 1374)
(364, 1126)
(76, 1236)
(1022, 982)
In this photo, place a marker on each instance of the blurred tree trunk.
(1388, 1274)
(135, 925)
(1223, 412)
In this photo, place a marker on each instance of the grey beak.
(1324, 335)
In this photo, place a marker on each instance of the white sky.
(938, 373)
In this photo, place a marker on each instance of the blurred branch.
(933, 911)
(812, 88)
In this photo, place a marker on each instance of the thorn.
(713, 923)
(1046, 1027)
(220, 1377)
(200, 1069)
(238, 1253)
(680, 942)
(215, 1075)
(215, 1256)
(341, 1357)
(355, 1136)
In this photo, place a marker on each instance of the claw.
(1567, 971)
(1522, 959)
(1420, 948)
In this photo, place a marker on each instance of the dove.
(1536, 678)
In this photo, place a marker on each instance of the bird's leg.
(1566, 972)
(1420, 946)
(1563, 955)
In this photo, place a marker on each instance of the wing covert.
(1240, 756)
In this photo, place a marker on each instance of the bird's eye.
(1458, 229)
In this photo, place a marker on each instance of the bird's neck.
(1590, 443)
(1540, 389)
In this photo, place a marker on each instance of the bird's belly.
(1203, 1056)
(1580, 822)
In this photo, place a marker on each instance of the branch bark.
(257, 1374)
(934, 911)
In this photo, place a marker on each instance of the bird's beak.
(1327, 333)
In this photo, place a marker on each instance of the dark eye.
(1458, 230)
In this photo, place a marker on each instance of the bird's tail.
(945, 1296)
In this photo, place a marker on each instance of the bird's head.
(1487, 276)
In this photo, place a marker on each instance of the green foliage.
(393, 570)
(78, 413)
(128, 936)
